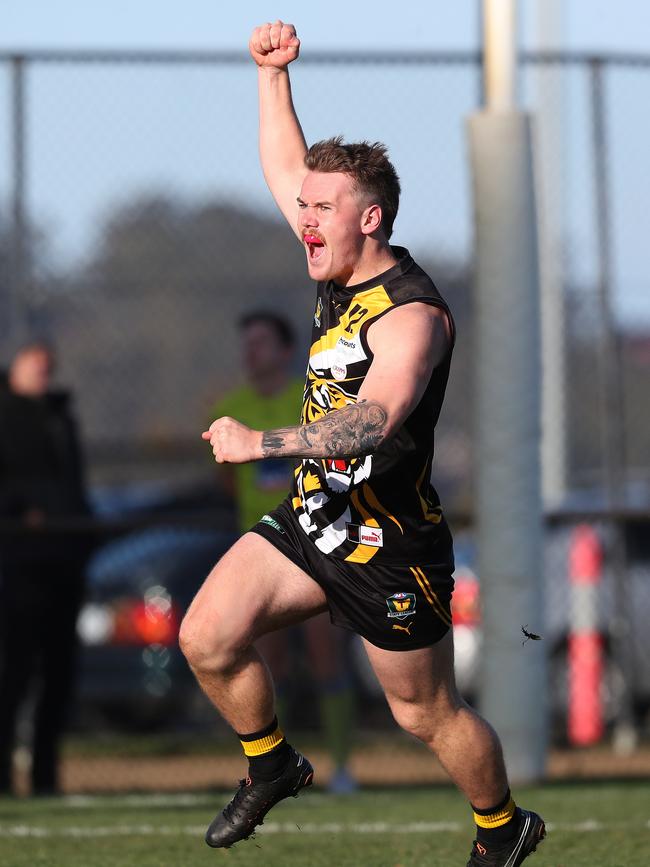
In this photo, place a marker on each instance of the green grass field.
(590, 825)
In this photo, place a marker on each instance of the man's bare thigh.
(252, 590)
(423, 676)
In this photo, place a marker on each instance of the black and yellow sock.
(498, 825)
(267, 752)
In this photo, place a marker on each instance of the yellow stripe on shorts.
(430, 594)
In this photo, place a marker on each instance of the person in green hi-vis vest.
(272, 398)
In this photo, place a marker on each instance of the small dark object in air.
(529, 635)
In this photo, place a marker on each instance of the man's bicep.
(397, 380)
(406, 350)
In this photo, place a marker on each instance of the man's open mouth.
(315, 246)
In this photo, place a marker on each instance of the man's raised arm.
(282, 144)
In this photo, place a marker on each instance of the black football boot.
(253, 800)
(530, 833)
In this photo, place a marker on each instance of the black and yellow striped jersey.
(382, 506)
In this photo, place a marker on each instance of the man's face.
(262, 350)
(330, 221)
(31, 372)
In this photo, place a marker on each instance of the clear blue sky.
(621, 25)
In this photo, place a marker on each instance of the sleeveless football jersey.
(379, 507)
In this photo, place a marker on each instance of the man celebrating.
(362, 532)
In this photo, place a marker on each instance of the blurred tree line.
(146, 327)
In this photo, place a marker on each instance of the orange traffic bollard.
(585, 711)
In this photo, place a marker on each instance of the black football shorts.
(395, 607)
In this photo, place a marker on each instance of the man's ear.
(371, 219)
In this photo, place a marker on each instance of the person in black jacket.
(41, 565)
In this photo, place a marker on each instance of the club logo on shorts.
(267, 519)
(401, 605)
(364, 535)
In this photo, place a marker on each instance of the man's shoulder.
(410, 282)
(410, 274)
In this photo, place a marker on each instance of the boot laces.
(240, 796)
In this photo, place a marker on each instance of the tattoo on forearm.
(346, 433)
(273, 439)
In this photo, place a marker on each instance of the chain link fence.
(136, 228)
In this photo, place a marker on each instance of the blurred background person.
(41, 572)
(272, 397)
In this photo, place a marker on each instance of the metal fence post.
(612, 408)
(550, 164)
(18, 258)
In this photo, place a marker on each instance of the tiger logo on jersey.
(323, 396)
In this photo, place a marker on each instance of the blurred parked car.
(132, 673)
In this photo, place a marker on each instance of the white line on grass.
(139, 800)
(171, 799)
(587, 826)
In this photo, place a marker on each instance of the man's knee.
(412, 718)
(212, 635)
(426, 719)
(211, 647)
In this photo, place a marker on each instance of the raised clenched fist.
(274, 45)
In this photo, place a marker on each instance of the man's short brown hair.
(368, 166)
